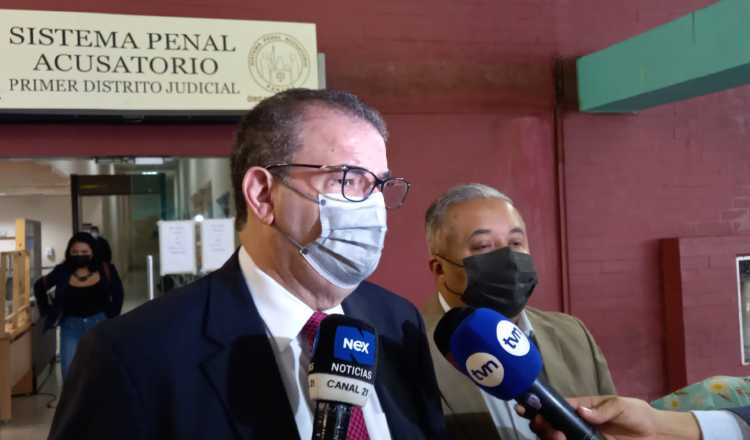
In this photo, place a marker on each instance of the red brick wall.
(439, 151)
(468, 90)
(703, 329)
(675, 171)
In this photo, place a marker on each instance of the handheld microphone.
(341, 373)
(495, 354)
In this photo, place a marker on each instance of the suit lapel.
(243, 370)
(549, 347)
(457, 390)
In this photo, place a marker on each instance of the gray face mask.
(351, 240)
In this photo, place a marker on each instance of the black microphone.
(341, 373)
(495, 354)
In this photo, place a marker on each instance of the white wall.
(197, 173)
(92, 210)
(40, 190)
(67, 167)
(53, 211)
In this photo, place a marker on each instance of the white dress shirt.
(722, 425)
(509, 424)
(284, 316)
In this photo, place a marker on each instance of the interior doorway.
(125, 210)
(124, 197)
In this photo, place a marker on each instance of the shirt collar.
(523, 320)
(283, 313)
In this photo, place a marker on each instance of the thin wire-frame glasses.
(355, 184)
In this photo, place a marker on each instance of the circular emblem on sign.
(512, 339)
(278, 62)
(485, 369)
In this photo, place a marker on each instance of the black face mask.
(501, 280)
(78, 261)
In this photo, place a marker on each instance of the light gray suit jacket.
(573, 365)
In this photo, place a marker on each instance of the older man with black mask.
(226, 357)
(479, 256)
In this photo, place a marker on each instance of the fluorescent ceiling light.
(149, 161)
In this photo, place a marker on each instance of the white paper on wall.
(217, 242)
(177, 247)
(7, 244)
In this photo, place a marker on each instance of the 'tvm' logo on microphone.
(354, 345)
(512, 339)
(485, 369)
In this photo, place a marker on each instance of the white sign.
(217, 242)
(177, 247)
(72, 62)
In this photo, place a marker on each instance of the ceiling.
(51, 177)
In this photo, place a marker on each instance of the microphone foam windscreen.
(492, 351)
(344, 361)
(447, 325)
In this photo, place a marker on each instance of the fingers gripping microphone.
(497, 356)
(341, 373)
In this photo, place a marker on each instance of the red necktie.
(357, 428)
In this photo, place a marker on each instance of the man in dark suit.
(224, 357)
(627, 418)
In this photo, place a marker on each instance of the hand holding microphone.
(626, 418)
(495, 354)
(341, 373)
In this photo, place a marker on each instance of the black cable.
(50, 403)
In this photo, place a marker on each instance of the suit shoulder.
(174, 312)
(558, 320)
(384, 297)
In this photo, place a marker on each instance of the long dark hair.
(85, 237)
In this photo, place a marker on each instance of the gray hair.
(268, 134)
(434, 218)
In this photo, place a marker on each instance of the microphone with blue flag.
(497, 356)
(341, 373)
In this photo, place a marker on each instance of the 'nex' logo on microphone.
(354, 345)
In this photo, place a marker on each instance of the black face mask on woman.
(78, 261)
(501, 280)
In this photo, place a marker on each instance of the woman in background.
(87, 291)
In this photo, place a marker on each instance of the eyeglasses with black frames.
(352, 183)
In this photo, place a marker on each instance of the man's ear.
(256, 187)
(436, 267)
